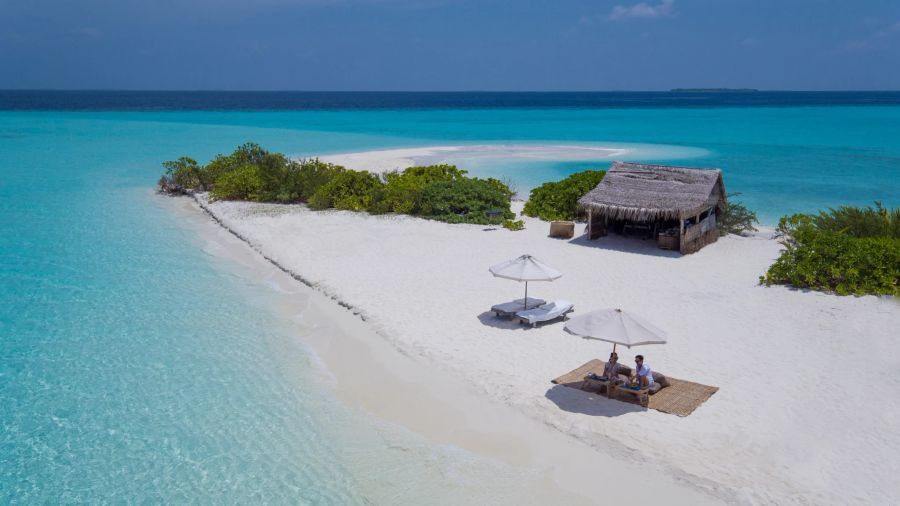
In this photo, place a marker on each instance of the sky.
(449, 45)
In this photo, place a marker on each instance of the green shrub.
(467, 200)
(559, 200)
(832, 261)
(246, 154)
(243, 183)
(514, 225)
(736, 218)
(305, 177)
(274, 177)
(834, 251)
(860, 222)
(403, 190)
(182, 175)
(349, 189)
(441, 192)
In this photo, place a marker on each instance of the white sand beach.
(527, 462)
(807, 409)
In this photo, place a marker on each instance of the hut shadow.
(633, 245)
(489, 319)
(578, 401)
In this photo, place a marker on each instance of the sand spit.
(399, 159)
(795, 420)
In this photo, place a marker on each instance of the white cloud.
(642, 10)
(873, 40)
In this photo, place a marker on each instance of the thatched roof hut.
(641, 192)
(677, 206)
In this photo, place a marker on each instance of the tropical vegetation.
(558, 200)
(848, 250)
(439, 192)
(736, 218)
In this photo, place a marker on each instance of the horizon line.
(670, 90)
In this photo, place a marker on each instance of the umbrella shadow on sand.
(589, 403)
(489, 319)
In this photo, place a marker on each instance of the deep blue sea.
(132, 369)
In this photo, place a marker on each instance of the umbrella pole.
(614, 347)
(526, 295)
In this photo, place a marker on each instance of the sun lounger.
(509, 309)
(547, 312)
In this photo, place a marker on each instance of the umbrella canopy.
(525, 268)
(617, 327)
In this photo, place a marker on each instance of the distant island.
(713, 90)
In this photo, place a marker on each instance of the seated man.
(642, 376)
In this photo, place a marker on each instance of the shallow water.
(136, 369)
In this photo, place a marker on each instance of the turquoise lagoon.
(135, 369)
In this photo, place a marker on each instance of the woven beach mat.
(679, 398)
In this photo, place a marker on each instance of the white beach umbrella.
(617, 327)
(525, 268)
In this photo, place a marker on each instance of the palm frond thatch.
(642, 192)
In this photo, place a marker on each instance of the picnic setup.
(615, 381)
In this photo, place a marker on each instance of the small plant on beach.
(306, 176)
(182, 175)
(736, 218)
(246, 154)
(871, 221)
(351, 190)
(243, 183)
(514, 225)
(403, 191)
(845, 251)
(558, 200)
(467, 200)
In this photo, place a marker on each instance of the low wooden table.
(643, 394)
(612, 387)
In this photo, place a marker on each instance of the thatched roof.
(636, 191)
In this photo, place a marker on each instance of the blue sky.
(450, 44)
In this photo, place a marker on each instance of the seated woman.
(611, 369)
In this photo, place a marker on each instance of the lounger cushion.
(655, 387)
(624, 369)
(532, 301)
(557, 305)
(660, 378)
(547, 312)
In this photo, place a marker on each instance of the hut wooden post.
(590, 222)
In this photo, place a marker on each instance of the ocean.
(137, 369)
